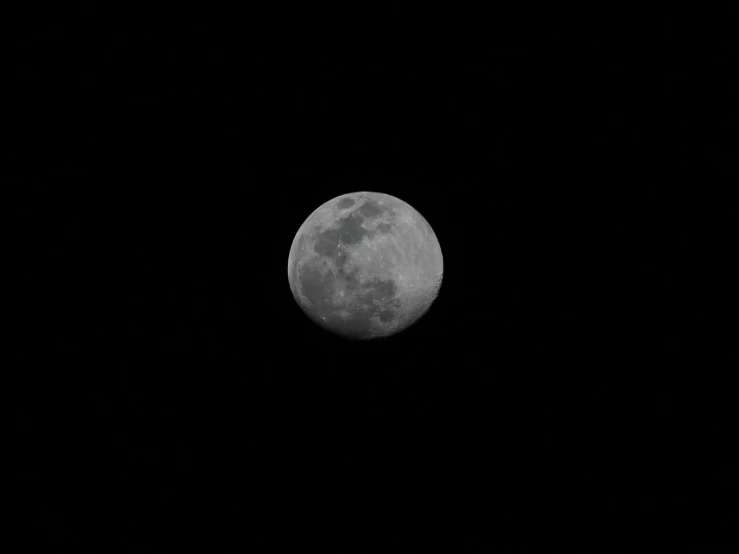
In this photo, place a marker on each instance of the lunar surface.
(365, 265)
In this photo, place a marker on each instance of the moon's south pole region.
(365, 265)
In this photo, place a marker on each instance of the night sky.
(572, 387)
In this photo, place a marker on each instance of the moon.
(365, 265)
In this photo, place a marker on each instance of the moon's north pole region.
(365, 265)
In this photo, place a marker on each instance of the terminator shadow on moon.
(365, 265)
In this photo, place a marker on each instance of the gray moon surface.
(365, 265)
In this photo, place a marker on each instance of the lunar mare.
(365, 265)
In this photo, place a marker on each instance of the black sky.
(570, 389)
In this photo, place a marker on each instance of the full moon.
(365, 265)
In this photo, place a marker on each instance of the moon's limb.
(364, 265)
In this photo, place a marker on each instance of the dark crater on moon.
(370, 209)
(375, 298)
(349, 230)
